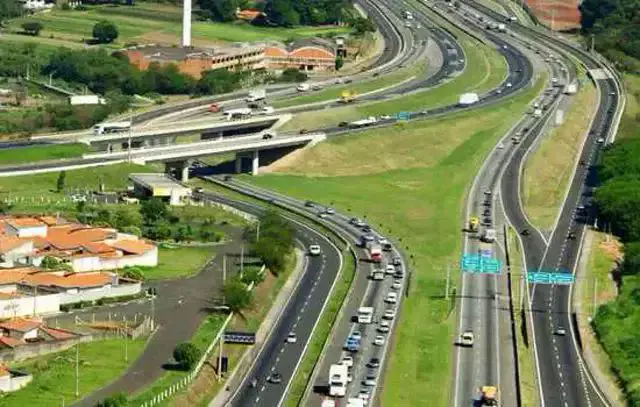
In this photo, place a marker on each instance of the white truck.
(240, 113)
(537, 113)
(489, 236)
(338, 380)
(502, 28)
(571, 89)
(256, 96)
(76, 100)
(356, 402)
(467, 99)
(364, 122)
(365, 315)
(408, 15)
(113, 127)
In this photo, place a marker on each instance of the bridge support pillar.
(238, 163)
(178, 169)
(255, 162)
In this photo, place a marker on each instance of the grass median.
(410, 182)
(321, 335)
(548, 169)
(31, 154)
(486, 70)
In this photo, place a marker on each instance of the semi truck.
(571, 89)
(489, 236)
(113, 127)
(240, 113)
(256, 97)
(467, 99)
(365, 315)
(364, 122)
(338, 380)
(375, 251)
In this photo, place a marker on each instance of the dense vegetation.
(618, 204)
(616, 25)
(9, 9)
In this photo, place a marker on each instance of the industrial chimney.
(186, 24)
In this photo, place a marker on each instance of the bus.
(365, 315)
(114, 127)
(338, 380)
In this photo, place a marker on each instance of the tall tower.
(186, 24)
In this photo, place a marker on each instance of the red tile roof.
(71, 280)
(19, 223)
(98, 247)
(21, 325)
(57, 333)
(13, 276)
(10, 342)
(133, 246)
(9, 243)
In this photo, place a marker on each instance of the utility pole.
(522, 292)
(446, 293)
(593, 42)
(153, 312)
(224, 276)
(129, 143)
(126, 336)
(258, 232)
(595, 293)
(241, 260)
(77, 366)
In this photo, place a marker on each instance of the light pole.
(258, 231)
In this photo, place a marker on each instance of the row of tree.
(616, 26)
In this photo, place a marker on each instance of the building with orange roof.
(28, 240)
(313, 54)
(249, 14)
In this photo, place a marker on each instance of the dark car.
(374, 363)
(366, 228)
(375, 75)
(267, 136)
(571, 235)
(275, 378)
(308, 204)
(303, 131)
(227, 178)
(343, 124)
(525, 232)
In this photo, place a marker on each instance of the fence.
(185, 381)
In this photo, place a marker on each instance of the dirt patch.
(165, 38)
(564, 15)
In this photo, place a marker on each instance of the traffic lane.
(299, 316)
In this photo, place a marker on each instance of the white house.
(25, 227)
(15, 251)
(35, 5)
(11, 380)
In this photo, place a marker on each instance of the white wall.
(93, 294)
(8, 383)
(18, 255)
(31, 334)
(96, 263)
(27, 232)
(23, 306)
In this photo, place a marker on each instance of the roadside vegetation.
(617, 200)
(34, 153)
(402, 178)
(548, 170)
(630, 121)
(54, 379)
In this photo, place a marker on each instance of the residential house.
(12, 380)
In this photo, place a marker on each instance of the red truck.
(375, 252)
(214, 108)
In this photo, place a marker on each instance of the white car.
(382, 241)
(365, 395)
(379, 341)
(390, 269)
(349, 378)
(323, 215)
(292, 338)
(369, 381)
(385, 117)
(384, 327)
(396, 285)
(314, 250)
(467, 339)
(347, 361)
(392, 298)
(600, 140)
(500, 146)
(267, 110)
(330, 211)
(509, 84)
(389, 314)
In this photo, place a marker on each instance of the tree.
(222, 10)
(362, 25)
(53, 263)
(134, 273)
(32, 27)
(253, 275)
(186, 355)
(105, 32)
(218, 81)
(292, 75)
(103, 217)
(126, 217)
(132, 230)
(339, 63)
(153, 210)
(117, 400)
(9, 9)
(62, 177)
(236, 295)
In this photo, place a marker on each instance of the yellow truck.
(348, 96)
(473, 224)
(489, 396)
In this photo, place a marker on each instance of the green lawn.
(54, 375)
(41, 152)
(630, 121)
(151, 22)
(176, 262)
(37, 192)
(410, 182)
(486, 70)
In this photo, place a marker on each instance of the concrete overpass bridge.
(177, 156)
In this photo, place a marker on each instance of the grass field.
(548, 170)
(38, 191)
(487, 70)
(151, 22)
(415, 192)
(54, 375)
(177, 262)
(630, 122)
(34, 153)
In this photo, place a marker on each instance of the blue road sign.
(550, 278)
(402, 116)
(474, 263)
